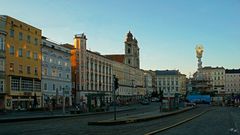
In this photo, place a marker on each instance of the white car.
(155, 99)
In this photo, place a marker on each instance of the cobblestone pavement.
(78, 125)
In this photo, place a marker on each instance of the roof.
(116, 57)
(209, 67)
(167, 72)
(232, 71)
(68, 46)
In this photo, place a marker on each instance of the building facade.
(148, 79)
(91, 74)
(127, 68)
(22, 54)
(131, 82)
(232, 81)
(215, 76)
(3, 34)
(56, 74)
(171, 82)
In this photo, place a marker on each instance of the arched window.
(129, 61)
(129, 50)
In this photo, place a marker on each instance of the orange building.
(22, 64)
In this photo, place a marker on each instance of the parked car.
(144, 102)
(190, 104)
(155, 99)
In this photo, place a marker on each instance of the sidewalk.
(139, 117)
(38, 115)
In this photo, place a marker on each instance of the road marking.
(176, 124)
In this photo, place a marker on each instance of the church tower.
(131, 51)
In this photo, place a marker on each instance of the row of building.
(217, 80)
(37, 72)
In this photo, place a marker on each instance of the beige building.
(131, 81)
(215, 77)
(232, 81)
(91, 74)
(127, 68)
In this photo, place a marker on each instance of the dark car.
(144, 102)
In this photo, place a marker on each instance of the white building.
(56, 73)
(232, 81)
(170, 82)
(148, 79)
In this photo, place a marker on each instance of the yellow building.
(22, 64)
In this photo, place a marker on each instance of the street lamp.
(75, 73)
(132, 87)
(63, 100)
(146, 84)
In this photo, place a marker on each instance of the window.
(27, 84)
(129, 51)
(53, 87)
(11, 50)
(2, 44)
(35, 41)
(45, 86)
(28, 39)
(11, 33)
(11, 68)
(43, 58)
(54, 72)
(28, 54)
(35, 55)
(59, 74)
(20, 69)
(129, 61)
(1, 85)
(35, 71)
(66, 64)
(15, 84)
(28, 69)
(20, 36)
(45, 71)
(2, 65)
(20, 52)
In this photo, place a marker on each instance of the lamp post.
(132, 87)
(63, 100)
(75, 101)
(146, 84)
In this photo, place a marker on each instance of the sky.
(167, 30)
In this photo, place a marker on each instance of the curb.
(135, 120)
(178, 123)
(20, 119)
